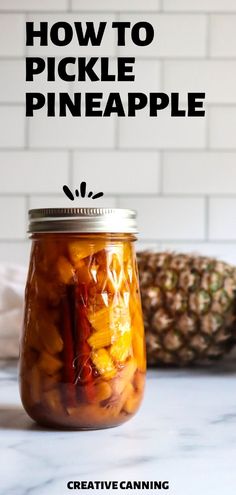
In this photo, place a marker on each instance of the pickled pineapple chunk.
(79, 250)
(139, 381)
(49, 364)
(103, 391)
(100, 339)
(103, 362)
(100, 320)
(33, 337)
(35, 384)
(65, 270)
(112, 328)
(83, 273)
(49, 382)
(50, 338)
(132, 402)
(52, 400)
(139, 350)
(125, 376)
(117, 405)
(121, 348)
(114, 318)
(138, 339)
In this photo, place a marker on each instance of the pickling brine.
(82, 359)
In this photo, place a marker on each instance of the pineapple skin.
(189, 307)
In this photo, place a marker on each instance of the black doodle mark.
(68, 193)
(81, 193)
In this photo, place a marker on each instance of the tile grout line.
(130, 194)
(208, 107)
(208, 130)
(111, 11)
(27, 207)
(124, 149)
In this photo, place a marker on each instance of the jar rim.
(82, 220)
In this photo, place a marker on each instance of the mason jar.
(82, 351)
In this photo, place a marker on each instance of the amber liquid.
(82, 358)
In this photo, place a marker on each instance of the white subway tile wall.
(12, 35)
(222, 36)
(168, 218)
(12, 127)
(12, 217)
(222, 127)
(199, 5)
(175, 36)
(121, 5)
(216, 78)
(71, 132)
(117, 170)
(222, 219)
(143, 132)
(32, 5)
(179, 174)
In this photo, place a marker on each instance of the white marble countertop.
(185, 432)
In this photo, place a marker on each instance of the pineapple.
(189, 307)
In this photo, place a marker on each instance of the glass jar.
(82, 352)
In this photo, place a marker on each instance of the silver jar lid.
(82, 220)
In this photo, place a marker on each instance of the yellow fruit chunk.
(33, 337)
(101, 319)
(30, 357)
(114, 408)
(139, 381)
(103, 391)
(79, 250)
(83, 273)
(137, 315)
(139, 350)
(49, 382)
(115, 273)
(125, 376)
(46, 289)
(49, 364)
(35, 385)
(100, 339)
(138, 338)
(50, 337)
(115, 318)
(65, 270)
(132, 403)
(121, 348)
(52, 400)
(103, 362)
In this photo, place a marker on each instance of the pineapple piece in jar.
(49, 364)
(121, 348)
(78, 250)
(66, 272)
(103, 363)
